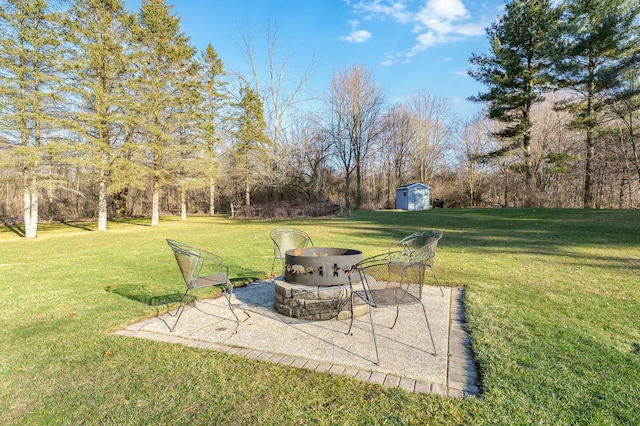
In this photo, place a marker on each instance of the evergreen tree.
(100, 67)
(252, 141)
(515, 74)
(213, 99)
(30, 88)
(188, 96)
(163, 56)
(594, 42)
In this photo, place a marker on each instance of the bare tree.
(433, 125)
(278, 92)
(475, 141)
(355, 105)
(306, 151)
(396, 139)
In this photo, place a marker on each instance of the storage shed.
(416, 196)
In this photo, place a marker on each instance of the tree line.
(107, 113)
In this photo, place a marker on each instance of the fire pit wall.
(316, 284)
(320, 266)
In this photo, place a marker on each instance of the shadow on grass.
(19, 231)
(142, 295)
(130, 222)
(137, 293)
(76, 225)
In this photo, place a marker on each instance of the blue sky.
(409, 45)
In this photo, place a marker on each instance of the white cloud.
(434, 22)
(395, 9)
(428, 40)
(357, 36)
(461, 73)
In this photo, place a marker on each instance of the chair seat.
(209, 280)
(387, 297)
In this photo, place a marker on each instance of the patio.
(406, 356)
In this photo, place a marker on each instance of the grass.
(552, 304)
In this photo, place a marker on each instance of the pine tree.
(515, 73)
(593, 46)
(213, 99)
(30, 83)
(187, 163)
(100, 67)
(252, 141)
(163, 56)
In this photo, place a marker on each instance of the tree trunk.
(588, 199)
(247, 194)
(212, 196)
(120, 202)
(183, 204)
(155, 204)
(30, 204)
(102, 204)
(347, 190)
(358, 186)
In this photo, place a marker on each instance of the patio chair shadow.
(142, 295)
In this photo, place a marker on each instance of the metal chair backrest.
(287, 239)
(417, 246)
(390, 283)
(189, 260)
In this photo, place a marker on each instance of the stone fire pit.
(315, 285)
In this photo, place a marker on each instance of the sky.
(410, 46)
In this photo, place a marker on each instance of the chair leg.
(228, 293)
(373, 331)
(437, 281)
(183, 304)
(273, 266)
(352, 315)
(435, 352)
(397, 314)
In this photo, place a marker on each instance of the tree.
(625, 105)
(99, 69)
(252, 142)
(594, 42)
(475, 142)
(279, 98)
(397, 137)
(163, 57)
(433, 131)
(213, 99)
(30, 82)
(515, 73)
(188, 92)
(355, 105)
(275, 78)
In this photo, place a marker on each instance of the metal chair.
(390, 283)
(287, 239)
(199, 269)
(419, 246)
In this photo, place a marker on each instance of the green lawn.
(552, 304)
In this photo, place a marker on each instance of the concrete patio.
(407, 359)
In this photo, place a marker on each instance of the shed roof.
(413, 185)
